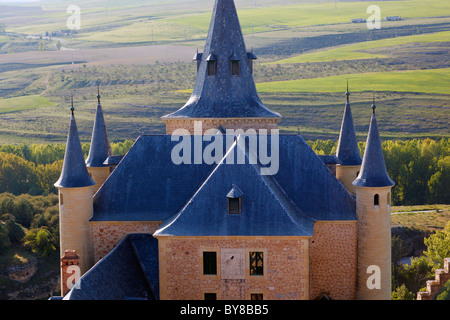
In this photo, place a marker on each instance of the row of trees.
(420, 168)
(29, 221)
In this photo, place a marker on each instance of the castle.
(223, 206)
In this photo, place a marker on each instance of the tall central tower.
(224, 92)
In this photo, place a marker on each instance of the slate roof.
(100, 148)
(148, 186)
(224, 95)
(373, 171)
(130, 271)
(347, 149)
(266, 210)
(74, 173)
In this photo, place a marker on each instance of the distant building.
(393, 18)
(144, 227)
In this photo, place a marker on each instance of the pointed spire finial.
(373, 103)
(98, 93)
(348, 92)
(71, 107)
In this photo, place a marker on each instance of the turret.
(75, 201)
(100, 149)
(373, 212)
(224, 92)
(347, 150)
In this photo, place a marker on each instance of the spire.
(373, 169)
(347, 149)
(100, 148)
(74, 173)
(224, 87)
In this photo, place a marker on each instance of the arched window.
(376, 200)
(388, 201)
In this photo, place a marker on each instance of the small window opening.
(210, 296)
(376, 200)
(256, 296)
(61, 199)
(212, 67)
(234, 205)
(235, 68)
(256, 264)
(209, 262)
(388, 201)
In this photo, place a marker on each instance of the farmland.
(140, 54)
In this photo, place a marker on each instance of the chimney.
(69, 269)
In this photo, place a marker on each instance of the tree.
(438, 247)
(4, 239)
(39, 241)
(402, 293)
(15, 232)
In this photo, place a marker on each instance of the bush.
(40, 241)
(15, 232)
(402, 293)
(4, 239)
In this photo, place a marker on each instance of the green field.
(362, 50)
(306, 53)
(306, 14)
(424, 81)
(24, 103)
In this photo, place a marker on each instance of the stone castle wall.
(333, 259)
(107, 234)
(286, 271)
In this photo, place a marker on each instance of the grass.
(24, 103)
(291, 16)
(427, 221)
(134, 23)
(353, 51)
(423, 81)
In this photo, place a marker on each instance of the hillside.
(141, 55)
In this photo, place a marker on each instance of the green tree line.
(419, 167)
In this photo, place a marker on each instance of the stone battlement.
(433, 286)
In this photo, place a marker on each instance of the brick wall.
(227, 123)
(286, 273)
(333, 260)
(107, 234)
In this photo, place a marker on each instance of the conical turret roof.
(373, 169)
(100, 148)
(224, 95)
(347, 149)
(74, 173)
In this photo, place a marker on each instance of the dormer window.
(235, 65)
(235, 68)
(234, 205)
(211, 64)
(251, 57)
(234, 199)
(198, 58)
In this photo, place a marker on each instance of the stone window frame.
(200, 263)
(247, 263)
